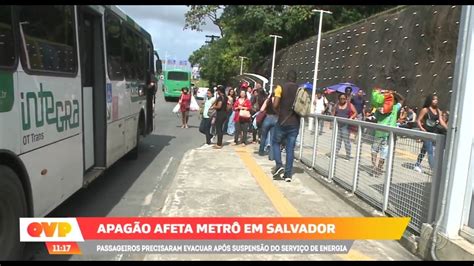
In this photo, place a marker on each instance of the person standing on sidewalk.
(184, 105)
(268, 124)
(220, 106)
(242, 106)
(206, 120)
(344, 109)
(429, 120)
(230, 103)
(321, 105)
(287, 127)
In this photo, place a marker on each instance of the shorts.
(380, 146)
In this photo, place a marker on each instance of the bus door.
(93, 87)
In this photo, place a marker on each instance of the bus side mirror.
(158, 66)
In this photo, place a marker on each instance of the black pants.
(241, 126)
(207, 130)
(220, 120)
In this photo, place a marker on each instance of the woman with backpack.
(431, 120)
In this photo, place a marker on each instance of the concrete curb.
(408, 240)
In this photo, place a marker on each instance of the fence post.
(357, 159)
(436, 177)
(388, 172)
(333, 149)
(302, 138)
(316, 133)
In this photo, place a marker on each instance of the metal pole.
(316, 59)
(316, 124)
(357, 159)
(436, 177)
(332, 165)
(388, 169)
(273, 59)
(242, 63)
(302, 138)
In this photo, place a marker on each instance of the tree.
(197, 14)
(245, 31)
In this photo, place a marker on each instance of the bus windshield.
(180, 76)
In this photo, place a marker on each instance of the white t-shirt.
(320, 105)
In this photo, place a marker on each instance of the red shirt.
(246, 104)
(185, 102)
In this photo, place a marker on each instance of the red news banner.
(62, 234)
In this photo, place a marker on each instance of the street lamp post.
(273, 59)
(242, 63)
(316, 62)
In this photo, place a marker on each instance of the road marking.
(148, 199)
(166, 167)
(279, 201)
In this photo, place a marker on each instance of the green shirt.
(387, 119)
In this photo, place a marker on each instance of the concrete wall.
(410, 49)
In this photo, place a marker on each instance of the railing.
(396, 189)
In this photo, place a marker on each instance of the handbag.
(194, 106)
(244, 114)
(211, 112)
(260, 117)
(431, 124)
(176, 108)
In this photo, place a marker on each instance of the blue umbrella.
(307, 86)
(341, 87)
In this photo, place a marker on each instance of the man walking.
(287, 127)
(380, 144)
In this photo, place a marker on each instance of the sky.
(165, 24)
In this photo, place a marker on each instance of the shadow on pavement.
(104, 193)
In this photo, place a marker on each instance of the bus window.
(180, 76)
(48, 34)
(139, 59)
(129, 53)
(7, 49)
(113, 30)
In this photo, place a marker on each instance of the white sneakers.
(418, 169)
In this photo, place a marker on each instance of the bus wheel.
(12, 207)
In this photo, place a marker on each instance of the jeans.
(288, 134)
(343, 135)
(207, 130)
(241, 127)
(427, 148)
(268, 123)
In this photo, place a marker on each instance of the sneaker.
(278, 172)
(287, 179)
(418, 169)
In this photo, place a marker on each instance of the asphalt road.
(130, 187)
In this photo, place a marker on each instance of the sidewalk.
(235, 181)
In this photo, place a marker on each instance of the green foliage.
(245, 31)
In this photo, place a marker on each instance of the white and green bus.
(76, 92)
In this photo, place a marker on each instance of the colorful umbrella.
(341, 87)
